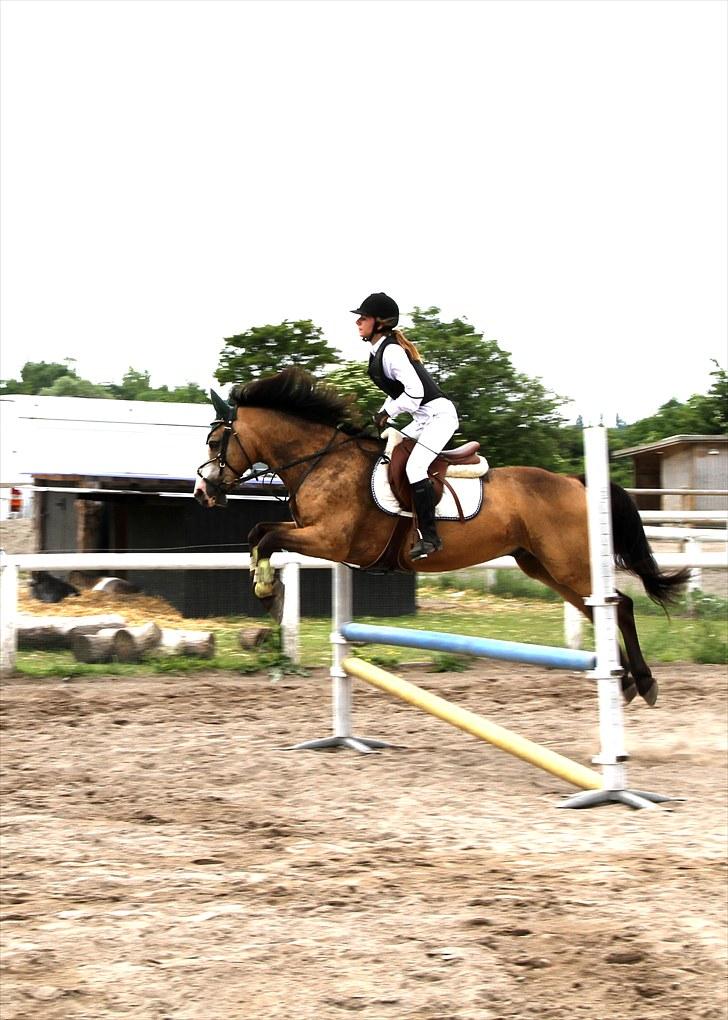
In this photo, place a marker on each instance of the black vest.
(392, 387)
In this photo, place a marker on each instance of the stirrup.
(424, 547)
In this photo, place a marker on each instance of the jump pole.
(476, 725)
(463, 644)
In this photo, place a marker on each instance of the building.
(681, 462)
(117, 476)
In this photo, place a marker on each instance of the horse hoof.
(273, 602)
(650, 692)
(629, 691)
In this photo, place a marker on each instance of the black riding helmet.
(381, 306)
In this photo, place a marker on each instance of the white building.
(77, 437)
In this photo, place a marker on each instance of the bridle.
(221, 458)
(250, 472)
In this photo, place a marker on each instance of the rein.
(250, 473)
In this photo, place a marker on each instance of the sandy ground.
(17, 535)
(164, 858)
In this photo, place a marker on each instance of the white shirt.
(396, 365)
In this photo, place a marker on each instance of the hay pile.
(136, 609)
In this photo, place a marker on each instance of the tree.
(134, 385)
(52, 379)
(74, 386)
(716, 405)
(190, 393)
(263, 350)
(352, 379)
(137, 385)
(700, 415)
(514, 416)
(36, 376)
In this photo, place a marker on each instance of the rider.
(395, 366)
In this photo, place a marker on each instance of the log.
(115, 586)
(253, 637)
(131, 643)
(98, 647)
(46, 633)
(198, 643)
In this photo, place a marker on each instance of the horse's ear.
(223, 410)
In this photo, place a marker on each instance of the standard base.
(364, 745)
(632, 798)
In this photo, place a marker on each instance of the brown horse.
(307, 434)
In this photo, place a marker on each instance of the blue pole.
(510, 651)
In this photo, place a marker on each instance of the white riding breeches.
(432, 427)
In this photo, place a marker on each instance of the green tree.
(700, 415)
(74, 386)
(263, 350)
(716, 405)
(352, 379)
(514, 416)
(61, 380)
(36, 376)
(134, 385)
(190, 393)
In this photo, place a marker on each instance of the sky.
(174, 172)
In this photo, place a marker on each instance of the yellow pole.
(549, 761)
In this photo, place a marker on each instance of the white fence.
(686, 516)
(677, 492)
(290, 565)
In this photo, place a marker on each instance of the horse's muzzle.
(209, 495)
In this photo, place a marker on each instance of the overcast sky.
(175, 172)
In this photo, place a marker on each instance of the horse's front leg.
(261, 529)
(262, 576)
(314, 540)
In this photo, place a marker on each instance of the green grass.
(507, 584)
(696, 632)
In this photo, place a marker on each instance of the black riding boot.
(423, 496)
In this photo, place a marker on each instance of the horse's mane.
(295, 391)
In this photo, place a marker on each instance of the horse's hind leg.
(535, 569)
(646, 683)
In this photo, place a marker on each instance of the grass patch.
(697, 631)
(506, 584)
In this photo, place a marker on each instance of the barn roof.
(76, 436)
(671, 441)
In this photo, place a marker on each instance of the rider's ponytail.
(401, 339)
(407, 344)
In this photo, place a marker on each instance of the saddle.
(465, 454)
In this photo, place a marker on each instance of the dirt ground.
(165, 858)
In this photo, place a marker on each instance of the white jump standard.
(603, 666)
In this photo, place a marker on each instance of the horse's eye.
(214, 444)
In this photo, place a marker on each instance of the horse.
(305, 432)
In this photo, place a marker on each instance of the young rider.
(395, 366)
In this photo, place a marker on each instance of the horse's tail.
(632, 551)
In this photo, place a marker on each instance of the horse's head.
(227, 459)
(284, 421)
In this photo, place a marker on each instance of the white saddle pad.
(469, 492)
